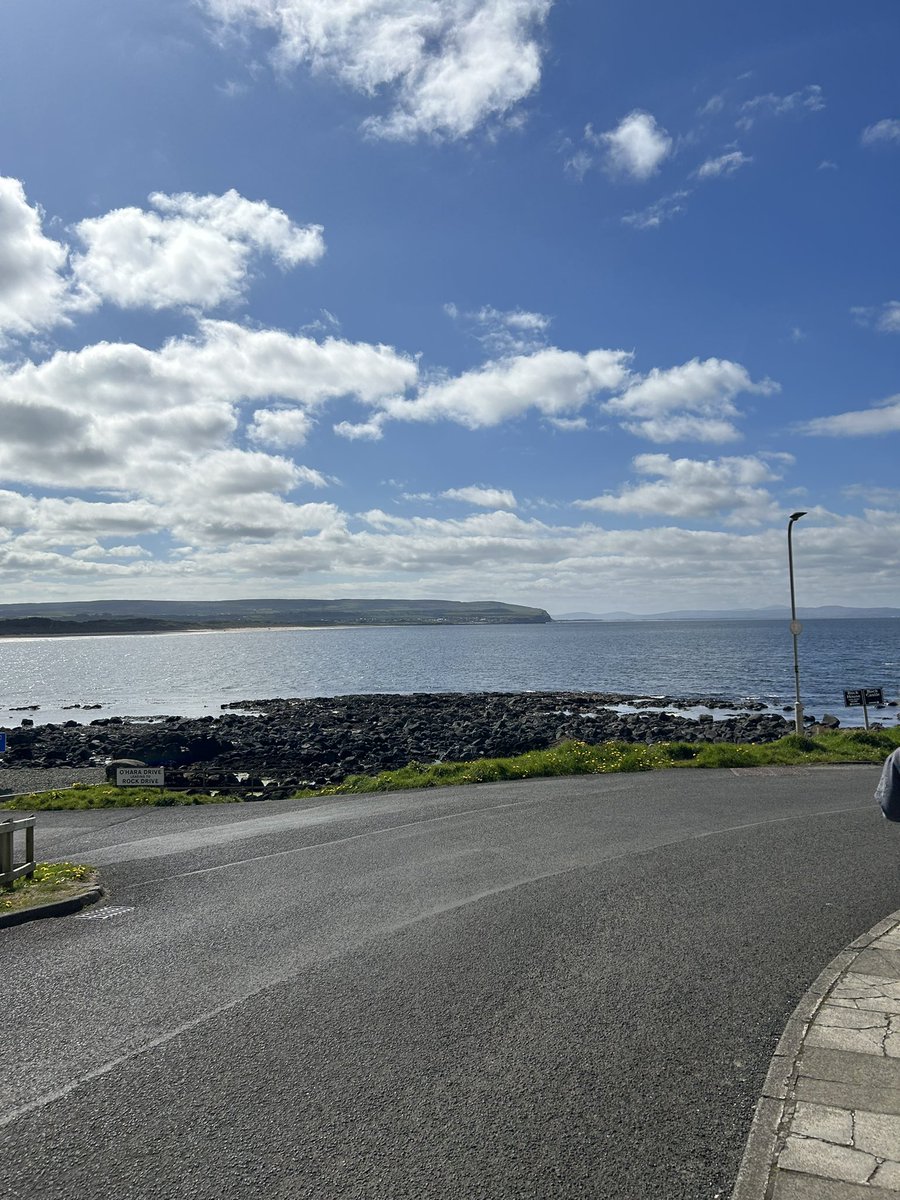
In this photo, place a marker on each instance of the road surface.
(557, 988)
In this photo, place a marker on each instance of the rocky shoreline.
(293, 743)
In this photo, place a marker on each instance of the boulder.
(121, 762)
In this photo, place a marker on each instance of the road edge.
(56, 908)
(760, 1152)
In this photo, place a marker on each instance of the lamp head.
(796, 516)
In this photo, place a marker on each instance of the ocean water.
(193, 674)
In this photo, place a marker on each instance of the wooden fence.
(8, 829)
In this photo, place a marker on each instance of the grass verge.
(568, 758)
(581, 758)
(50, 882)
(105, 795)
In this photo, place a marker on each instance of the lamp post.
(796, 627)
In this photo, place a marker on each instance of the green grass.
(105, 795)
(581, 758)
(568, 758)
(51, 881)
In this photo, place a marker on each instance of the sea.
(194, 674)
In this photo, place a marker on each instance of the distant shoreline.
(188, 629)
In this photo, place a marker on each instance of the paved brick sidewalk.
(828, 1124)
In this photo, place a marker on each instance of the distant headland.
(85, 617)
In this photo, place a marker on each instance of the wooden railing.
(8, 828)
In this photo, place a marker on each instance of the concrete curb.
(761, 1152)
(56, 908)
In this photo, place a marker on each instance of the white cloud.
(265, 543)
(568, 424)
(446, 65)
(193, 250)
(503, 334)
(482, 497)
(113, 415)
(883, 418)
(660, 211)
(636, 147)
(70, 522)
(886, 131)
(886, 318)
(97, 552)
(713, 105)
(551, 381)
(674, 204)
(32, 287)
(280, 427)
(686, 488)
(694, 400)
(725, 164)
(884, 497)
(806, 100)
(362, 431)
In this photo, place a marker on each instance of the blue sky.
(548, 301)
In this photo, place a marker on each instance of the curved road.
(560, 988)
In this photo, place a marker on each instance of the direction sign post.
(854, 697)
(140, 777)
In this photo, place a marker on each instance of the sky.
(567, 303)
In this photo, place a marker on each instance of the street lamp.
(796, 627)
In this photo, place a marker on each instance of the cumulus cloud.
(32, 285)
(446, 65)
(636, 147)
(70, 521)
(280, 427)
(192, 250)
(685, 488)
(694, 400)
(886, 132)
(112, 414)
(882, 418)
(362, 431)
(482, 497)
(553, 382)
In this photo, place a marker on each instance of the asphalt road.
(566, 988)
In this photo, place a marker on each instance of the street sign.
(2, 743)
(140, 776)
(857, 696)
